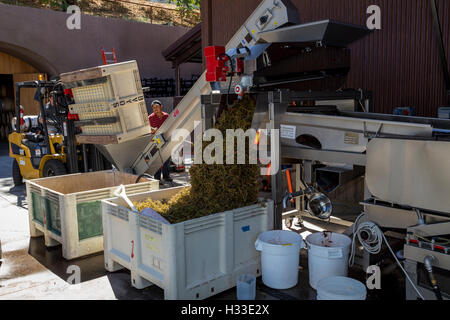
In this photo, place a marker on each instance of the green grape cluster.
(215, 188)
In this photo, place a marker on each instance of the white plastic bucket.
(328, 254)
(340, 288)
(280, 255)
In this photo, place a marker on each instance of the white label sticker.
(335, 253)
(287, 132)
(38, 152)
(351, 138)
(22, 162)
(21, 151)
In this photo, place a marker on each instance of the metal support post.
(278, 103)
(299, 201)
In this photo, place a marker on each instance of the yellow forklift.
(45, 145)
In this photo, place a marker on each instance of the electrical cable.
(372, 243)
(428, 263)
(229, 88)
(231, 80)
(231, 77)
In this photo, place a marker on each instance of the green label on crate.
(89, 215)
(38, 208)
(46, 212)
(53, 216)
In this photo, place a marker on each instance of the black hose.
(228, 92)
(231, 77)
(435, 286)
(432, 278)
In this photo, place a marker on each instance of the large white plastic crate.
(190, 260)
(108, 92)
(131, 116)
(67, 209)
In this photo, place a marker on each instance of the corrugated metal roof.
(184, 43)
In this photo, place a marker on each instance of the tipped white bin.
(328, 254)
(340, 288)
(280, 255)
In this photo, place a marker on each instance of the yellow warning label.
(351, 138)
(151, 243)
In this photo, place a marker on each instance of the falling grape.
(215, 188)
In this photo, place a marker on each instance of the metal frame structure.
(277, 103)
(387, 215)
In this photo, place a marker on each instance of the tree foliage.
(187, 5)
(188, 9)
(59, 4)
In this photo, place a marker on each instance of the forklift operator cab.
(35, 143)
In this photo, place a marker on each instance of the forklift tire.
(54, 168)
(17, 177)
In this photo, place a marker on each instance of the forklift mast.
(39, 85)
(64, 121)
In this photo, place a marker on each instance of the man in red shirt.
(156, 120)
(158, 116)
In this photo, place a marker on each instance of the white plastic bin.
(328, 254)
(109, 102)
(110, 82)
(280, 256)
(340, 288)
(132, 119)
(67, 209)
(190, 260)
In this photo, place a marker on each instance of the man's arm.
(152, 129)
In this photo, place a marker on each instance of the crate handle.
(120, 192)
